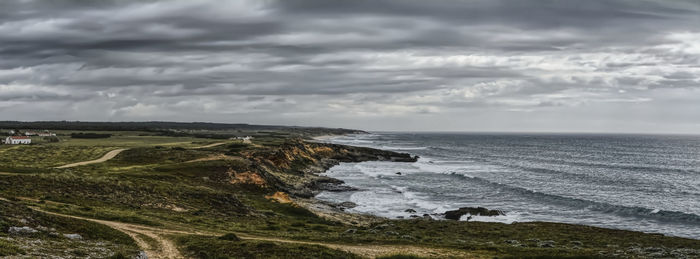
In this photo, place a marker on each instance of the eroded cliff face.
(294, 166)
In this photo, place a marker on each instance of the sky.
(387, 65)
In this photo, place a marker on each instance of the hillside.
(188, 196)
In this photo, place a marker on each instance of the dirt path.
(216, 157)
(210, 145)
(372, 251)
(167, 249)
(114, 153)
(108, 156)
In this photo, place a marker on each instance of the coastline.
(315, 183)
(518, 238)
(267, 190)
(336, 211)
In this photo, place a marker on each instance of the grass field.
(163, 182)
(217, 247)
(71, 150)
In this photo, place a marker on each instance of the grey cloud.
(302, 60)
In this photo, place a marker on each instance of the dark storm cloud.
(528, 14)
(350, 60)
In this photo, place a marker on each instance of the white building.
(14, 140)
(245, 139)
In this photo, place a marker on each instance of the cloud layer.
(621, 66)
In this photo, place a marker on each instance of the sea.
(648, 183)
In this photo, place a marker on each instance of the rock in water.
(347, 205)
(331, 185)
(479, 211)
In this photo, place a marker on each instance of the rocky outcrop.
(73, 236)
(331, 185)
(246, 178)
(294, 166)
(280, 197)
(479, 211)
(346, 205)
(21, 230)
(297, 154)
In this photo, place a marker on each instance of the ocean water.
(634, 182)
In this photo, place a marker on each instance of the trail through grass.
(166, 248)
(108, 156)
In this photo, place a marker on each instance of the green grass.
(212, 247)
(154, 184)
(7, 249)
(47, 156)
(136, 141)
(71, 150)
(156, 155)
(11, 213)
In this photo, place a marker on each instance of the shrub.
(52, 139)
(230, 237)
(208, 247)
(9, 249)
(89, 135)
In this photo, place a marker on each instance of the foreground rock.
(479, 211)
(21, 230)
(73, 236)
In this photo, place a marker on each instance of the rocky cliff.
(294, 166)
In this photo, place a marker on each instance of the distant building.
(15, 140)
(46, 133)
(245, 139)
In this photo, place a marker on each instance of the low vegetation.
(400, 256)
(47, 156)
(24, 231)
(89, 135)
(213, 247)
(231, 192)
